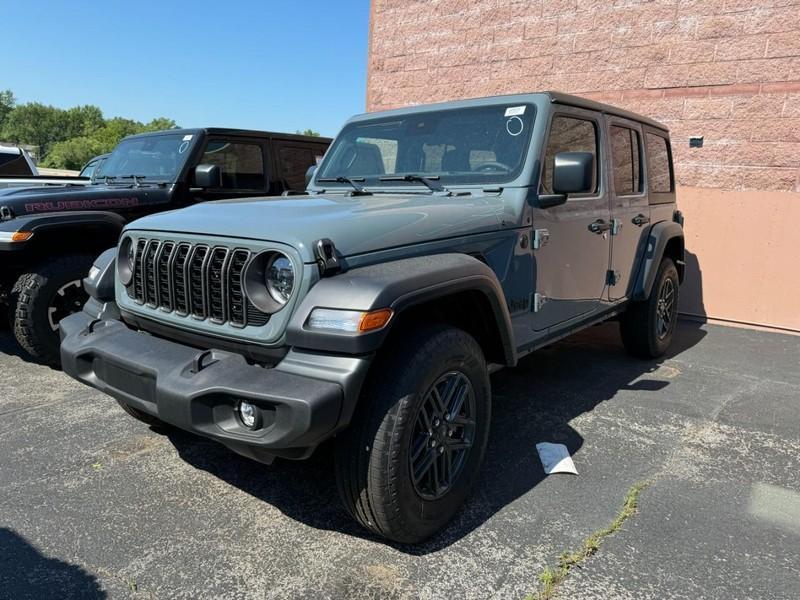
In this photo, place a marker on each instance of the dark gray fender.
(46, 223)
(398, 285)
(660, 235)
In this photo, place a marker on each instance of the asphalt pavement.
(95, 504)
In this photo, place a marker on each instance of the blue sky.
(268, 64)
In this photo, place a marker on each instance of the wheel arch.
(449, 288)
(66, 233)
(665, 240)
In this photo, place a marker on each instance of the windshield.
(156, 157)
(479, 145)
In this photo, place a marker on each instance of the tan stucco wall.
(743, 256)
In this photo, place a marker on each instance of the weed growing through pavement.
(552, 577)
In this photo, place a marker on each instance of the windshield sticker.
(512, 111)
(183, 147)
(188, 137)
(514, 126)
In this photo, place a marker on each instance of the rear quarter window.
(659, 165)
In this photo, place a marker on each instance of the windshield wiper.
(105, 179)
(349, 180)
(136, 178)
(412, 177)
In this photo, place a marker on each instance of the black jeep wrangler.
(49, 236)
(436, 244)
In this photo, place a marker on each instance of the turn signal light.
(17, 236)
(375, 319)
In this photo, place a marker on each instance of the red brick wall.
(728, 70)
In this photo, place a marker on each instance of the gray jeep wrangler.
(434, 245)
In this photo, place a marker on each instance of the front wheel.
(647, 327)
(416, 443)
(44, 296)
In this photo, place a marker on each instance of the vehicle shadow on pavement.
(27, 573)
(533, 402)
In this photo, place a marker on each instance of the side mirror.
(310, 174)
(573, 173)
(208, 176)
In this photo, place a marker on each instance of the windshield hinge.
(327, 261)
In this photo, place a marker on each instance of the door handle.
(599, 226)
(640, 220)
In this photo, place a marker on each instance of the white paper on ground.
(555, 458)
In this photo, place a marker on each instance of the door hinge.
(540, 238)
(539, 300)
(612, 277)
(616, 225)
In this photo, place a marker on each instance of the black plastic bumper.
(302, 401)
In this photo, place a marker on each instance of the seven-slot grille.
(198, 280)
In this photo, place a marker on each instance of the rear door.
(243, 164)
(630, 210)
(292, 160)
(570, 269)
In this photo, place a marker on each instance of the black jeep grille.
(205, 282)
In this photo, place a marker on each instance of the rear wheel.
(44, 296)
(415, 446)
(647, 327)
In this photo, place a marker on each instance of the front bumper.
(303, 400)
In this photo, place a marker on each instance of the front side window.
(625, 156)
(241, 164)
(156, 157)
(486, 144)
(659, 171)
(568, 134)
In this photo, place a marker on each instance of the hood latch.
(6, 214)
(327, 261)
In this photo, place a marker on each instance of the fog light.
(248, 414)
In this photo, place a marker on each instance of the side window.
(568, 134)
(659, 169)
(295, 161)
(625, 156)
(14, 164)
(241, 163)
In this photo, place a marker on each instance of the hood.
(355, 224)
(37, 200)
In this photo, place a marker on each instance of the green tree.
(81, 121)
(310, 132)
(72, 153)
(7, 102)
(33, 123)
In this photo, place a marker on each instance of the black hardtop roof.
(232, 131)
(554, 97)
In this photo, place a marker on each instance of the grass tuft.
(552, 577)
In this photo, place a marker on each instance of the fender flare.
(659, 236)
(45, 223)
(399, 285)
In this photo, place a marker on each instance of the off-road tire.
(639, 324)
(141, 415)
(373, 468)
(33, 294)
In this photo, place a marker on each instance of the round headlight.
(125, 258)
(279, 278)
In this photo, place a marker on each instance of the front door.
(243, 168)
(629, 207)
(571, 267)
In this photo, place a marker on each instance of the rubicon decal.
(100, 203)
